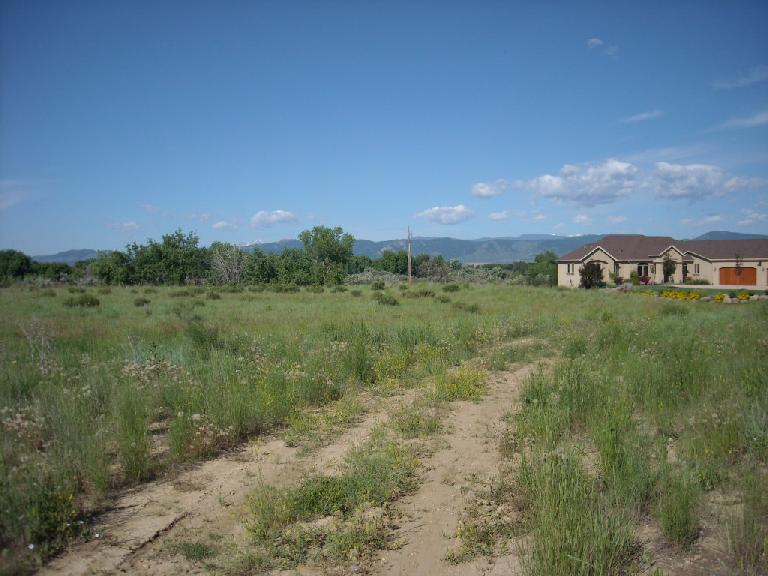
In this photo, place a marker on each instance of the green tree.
(111, 267)
(329, 250)
(668, 267)
(391, 261)
(543, 270)
(591, 275)
(14, 264)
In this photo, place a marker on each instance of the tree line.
(325, 258)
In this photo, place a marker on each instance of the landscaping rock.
(705, 299)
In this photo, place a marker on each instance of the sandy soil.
(135, 535)
(432, 514)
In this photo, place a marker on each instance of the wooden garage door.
(738, 276)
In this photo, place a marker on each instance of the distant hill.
(68, 257)
(482, 251)
(724, 235)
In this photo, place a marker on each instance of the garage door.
(738, 276)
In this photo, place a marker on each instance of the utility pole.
(410, 277)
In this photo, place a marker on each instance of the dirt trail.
(135, 535)
(432, 514)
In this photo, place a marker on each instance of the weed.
(677, 507)
(195, 551)
(463, 383)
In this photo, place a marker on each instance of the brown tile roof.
(638, 247)
(623, 247)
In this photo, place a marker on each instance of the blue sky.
(247, 121)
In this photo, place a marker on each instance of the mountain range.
(480, 251)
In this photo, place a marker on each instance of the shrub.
(356, 293)
(402, 287)
(443, 299)
(377, 285)
(149, 291)
(83, 301)
(213, 295)
(338, 288)
(451, 288)
(257, 288)
(141, 301)
(474, 308)
(315, 289)
(697, 281)
(634, 278)
(420, 293)
(105, 290)
(384, 298)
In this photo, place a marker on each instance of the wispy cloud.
(151, 209)
(489, 189)
(507, 214)
(12, 193)
(759, 119)
(703, 221)
(263, 218)
(225, 225)
(599, 45)
(752, 217)
(447, 214)
(642, 117)
(129, 226)
(616, 219)
(744, 78)
(582, 220)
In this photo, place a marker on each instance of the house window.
(696, 269)
(653, 269)
(642, 270)
(570, 268)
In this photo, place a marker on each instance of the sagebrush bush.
(83, 301)
(141, 301)
(451, 288)
(386, 299)
(377, 285)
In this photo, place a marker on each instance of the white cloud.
(594, 43)
(752, 217)
(538, 216)
(582, 219)
(758, 119)
(559, 226)
(752, 76)
(642, 117)
(447, 214)
(585, 185)
(617, 219)
(489, 189)
(697, 181)
(129, 226)
(225, 225)
(593, 184)
(262, 218)
(150, 208)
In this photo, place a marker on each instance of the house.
(719, 262)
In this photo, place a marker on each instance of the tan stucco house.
(719, 262)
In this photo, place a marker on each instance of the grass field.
(650, 410)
